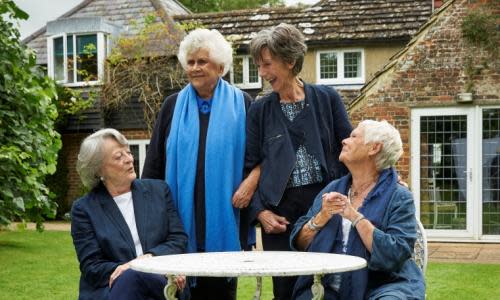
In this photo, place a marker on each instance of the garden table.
(249, 263)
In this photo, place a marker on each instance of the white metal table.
(250, 263)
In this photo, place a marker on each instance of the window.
(76, 59)
(455, 158)
(244, 73)
(340, 67)
(138, 149)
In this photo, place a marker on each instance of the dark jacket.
(156, 157)
(103, 240)
(272, 141)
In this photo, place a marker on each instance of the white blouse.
(126, 206)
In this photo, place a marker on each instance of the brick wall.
(71, 146)
(429, 74)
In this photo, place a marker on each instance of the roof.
(380, 76)
(342, 21)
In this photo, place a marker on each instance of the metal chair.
(420, 253)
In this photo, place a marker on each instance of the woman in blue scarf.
(198, 148)
(366, 214)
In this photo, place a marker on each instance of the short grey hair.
(91, 155)
(386, 134)
(219, 50)
(284, 42)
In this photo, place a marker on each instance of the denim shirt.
(391, 271)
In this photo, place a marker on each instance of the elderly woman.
(294, 134)
(198, 147)
(119, 220)
(366, 214)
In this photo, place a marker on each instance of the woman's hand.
(122, 268)
(244, 193)
(271, 222)
(180, 281)
(332, 203)
(118, 271)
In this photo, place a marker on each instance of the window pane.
(238, 70)
(443, 181)
(70, 56)
(328, 65)
(253, 73)
(86, 46)
(135, 152)
(58, 59)
(491, 171)
(352, 64)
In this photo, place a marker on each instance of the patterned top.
(307, 169)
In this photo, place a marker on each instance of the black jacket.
(272, 141)
(103, 240)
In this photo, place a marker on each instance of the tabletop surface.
(249, 263)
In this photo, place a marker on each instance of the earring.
(101, 178)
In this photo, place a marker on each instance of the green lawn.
(43, 266)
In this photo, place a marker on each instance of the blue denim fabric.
(391, 271)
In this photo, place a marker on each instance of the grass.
(44, 266)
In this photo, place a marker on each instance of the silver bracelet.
(357, 220)
(313, 226)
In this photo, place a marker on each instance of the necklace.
(352, 194)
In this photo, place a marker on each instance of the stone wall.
(430, 72)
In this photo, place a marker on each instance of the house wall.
(430, 73)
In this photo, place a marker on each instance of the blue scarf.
(224, 158)
(329, 239)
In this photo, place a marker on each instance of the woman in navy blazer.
(119, 220)
(294, 134)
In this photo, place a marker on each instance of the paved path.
(464, 252)
(438, 252)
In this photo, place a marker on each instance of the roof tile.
(328, 20)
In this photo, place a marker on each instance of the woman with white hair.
(121, 219)
(367, 214)
(198, 147)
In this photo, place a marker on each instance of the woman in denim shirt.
(366, 214)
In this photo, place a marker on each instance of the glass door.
(491, 171)
(441, 175)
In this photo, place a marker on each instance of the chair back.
(420, 253)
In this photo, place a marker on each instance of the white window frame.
(246, 75)
(101, 53)
(142, 143)
(340, 80)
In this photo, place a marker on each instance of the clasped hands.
(336, 203)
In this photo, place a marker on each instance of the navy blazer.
(272, 141)
(103, 240)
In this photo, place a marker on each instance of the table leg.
(170, 289)
(258, 288)
(318, 291)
